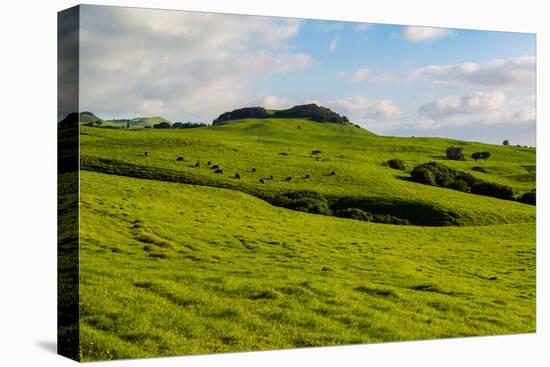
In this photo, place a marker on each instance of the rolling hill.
(178, 259)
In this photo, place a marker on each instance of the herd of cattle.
(218, 170)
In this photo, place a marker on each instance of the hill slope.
(282, 148)
(180, 269)
(178, 259)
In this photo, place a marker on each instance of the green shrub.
(529, 198)
(304, 201)
(437, 174)
(494, 190)
(355, 213)
(423, 175)
(359, 214)
(481, 155)
(468, 178)
(460, 185)
(389, 219)
(455, 153)
(396, 164)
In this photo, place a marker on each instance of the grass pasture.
(176, 259)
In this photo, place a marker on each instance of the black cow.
(215, 167)
(332, 173)
(145, 154)
(288, 178)
(262, 180)
(209, 163)
(306, 176)
(218, 171)
(253, 169)
(198, 164)
(237, 176)
(179, 159)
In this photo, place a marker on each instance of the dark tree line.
(310, 111)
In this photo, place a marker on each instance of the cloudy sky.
(393, 80)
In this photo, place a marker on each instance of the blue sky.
(398, 80)
(381, 48)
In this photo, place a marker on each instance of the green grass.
(356, 156)
(178, 268)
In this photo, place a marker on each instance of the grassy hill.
(176, 259)
(278, 148)
(134, 122)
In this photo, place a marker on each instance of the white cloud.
(465, 105)
(373, 114)
(173, 63)
(275, 102)
(333, 44)
(480, 108)
(512, 74)
(416, 34)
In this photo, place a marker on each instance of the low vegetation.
(396, 164)
(529, 197)
(455, 153)
(481, 155)
(437, 174)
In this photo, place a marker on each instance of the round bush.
(494, 190)
(455, 153)
(396, 164)
(423, 175)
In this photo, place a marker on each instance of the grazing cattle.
(237, 176)
(215, 167)
(262, 180)
(198, 164)
(218, 171)
(271, 177)
(179, 159)
(253, 169)
(288, 178)
(209, 163)
(145, 154)
(306, 176)
(332, 173)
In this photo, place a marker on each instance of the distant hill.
(137, 121)
(84, 118)
(148, 121)
(309, 111)
(87, 117)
